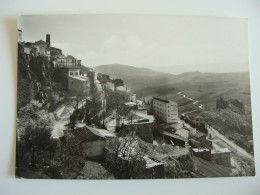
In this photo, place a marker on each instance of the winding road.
(195, 102)
(215, 134)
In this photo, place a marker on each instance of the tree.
(34, 126)
(124, 157)
(93, 107)
(221, 103)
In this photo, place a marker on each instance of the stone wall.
(221, 158)
(203, 154)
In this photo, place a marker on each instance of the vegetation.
(124, 157)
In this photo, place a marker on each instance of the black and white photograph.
(133, 96)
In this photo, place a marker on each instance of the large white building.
(165, 110)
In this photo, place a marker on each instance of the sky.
(165, 43)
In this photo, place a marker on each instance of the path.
(195, 102)
(232, 146)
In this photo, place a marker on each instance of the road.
(231, 145)
(195, 102)
(214, 133)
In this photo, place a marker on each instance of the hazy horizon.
(170, 72)
(164, 43)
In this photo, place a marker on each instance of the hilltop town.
(73, 122)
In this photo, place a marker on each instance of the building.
(66, 61)
(152, 170)
(173, 139)
(221, 156)
(55, 52)
(165, 110)
(148, 104)
(132, 97)
(41, 47)
(73, 72)
(198, 121)
(77, 83)
(48, 40)
(202, 139)
(29, 50)
(90, 142)
(103, 78)
(203, 153)
(141, 125)
(20, 36)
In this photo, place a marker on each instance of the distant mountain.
(202, 86)
(135, 78)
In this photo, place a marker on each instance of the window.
(71, 73)
(76, 73)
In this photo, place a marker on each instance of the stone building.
(203, 153)
(221, 156)
(90, 142)
(141, 125)
(165, 110)
(66, 61)
(152, 170)
(73, 71)
(41, 47)
(78, 83)
(202, 139)
(198, 121)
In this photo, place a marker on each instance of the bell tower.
(48, 39)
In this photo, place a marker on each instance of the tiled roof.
(70, 57)
(173, 136)
(83, 133)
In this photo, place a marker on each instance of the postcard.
(133, 97)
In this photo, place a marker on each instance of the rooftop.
(220, 150)
(173, 135)
(183, 133)
(200, 149)
(150, 163)
(163, 100)
(40, 42)
(84, 133)
(130, 104)
(121, 88)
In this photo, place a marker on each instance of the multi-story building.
(41, 47)
(77, 83)
(66, 61)
(165, 110)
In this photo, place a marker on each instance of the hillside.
(206, 88)
(134, 78)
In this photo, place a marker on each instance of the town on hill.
(77, 122)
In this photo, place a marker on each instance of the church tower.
(48, 39)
